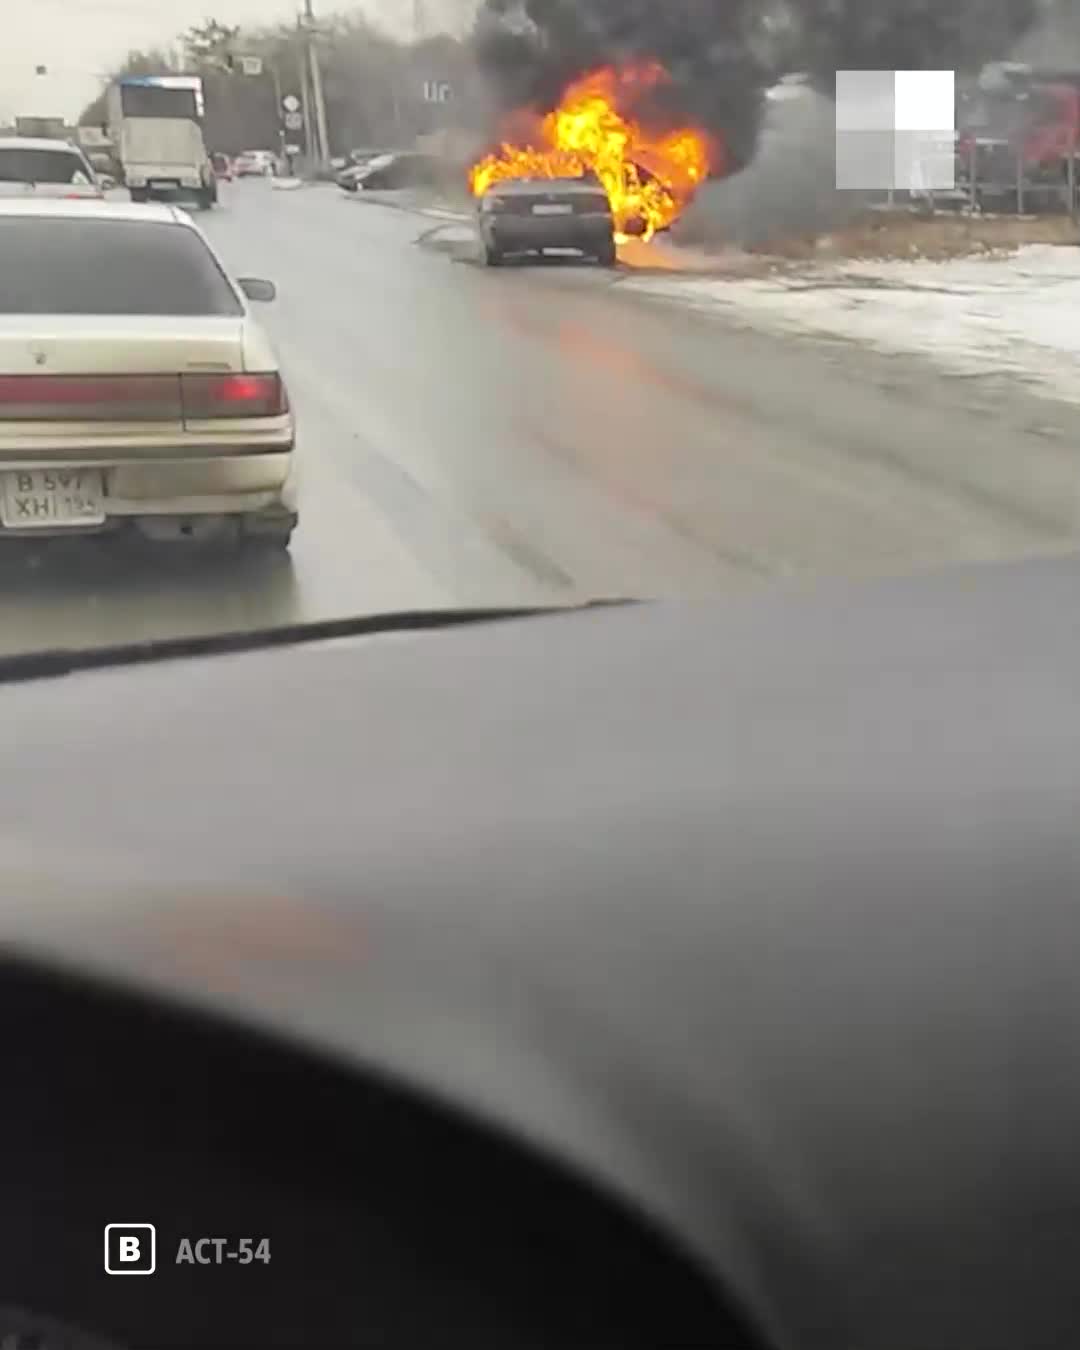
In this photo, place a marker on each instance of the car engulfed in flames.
(650, 176)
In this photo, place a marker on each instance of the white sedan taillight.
(141, 398)
(206, 397)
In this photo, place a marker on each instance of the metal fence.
(994, 175)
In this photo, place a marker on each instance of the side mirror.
(257, 289)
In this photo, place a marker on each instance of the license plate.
(164, 184)
(553, 209)
(34, 499)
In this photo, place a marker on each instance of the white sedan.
(136, 390)
(30, 166)
(255, 163)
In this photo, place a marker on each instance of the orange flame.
(648, 178)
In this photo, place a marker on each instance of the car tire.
(269, 534)
(139, 194)
(267, 544)
(492, 256)
(607, 256)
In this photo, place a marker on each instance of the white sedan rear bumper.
(218, 471)
(222, 486)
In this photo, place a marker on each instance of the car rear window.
(77, 265)
(20, 165)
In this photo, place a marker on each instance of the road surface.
(541, 434)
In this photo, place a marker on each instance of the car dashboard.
(382, 1219)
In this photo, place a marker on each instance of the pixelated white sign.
(896, 129)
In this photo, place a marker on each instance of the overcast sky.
(78, 40)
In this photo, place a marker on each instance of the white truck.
(155, 122)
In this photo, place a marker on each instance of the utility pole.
(320, 105)
(275, 76)
(303, 73)
(322, 138)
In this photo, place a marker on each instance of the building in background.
(38, 102)
(48, 128)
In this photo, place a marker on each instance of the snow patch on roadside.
(1018, 316)
(452, 234)
(449, 238)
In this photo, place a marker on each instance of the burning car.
(649, 171)
(531, 215)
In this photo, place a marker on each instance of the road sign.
(293, 121)
(437, 91)
(290, 103)
(251, 65)
(292, 149)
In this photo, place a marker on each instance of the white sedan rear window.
(77, 265)
(19, 164)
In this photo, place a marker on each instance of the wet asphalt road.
(541, 434)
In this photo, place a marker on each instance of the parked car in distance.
(33, 167)
(222, 167)
(106, 169)
(532, 215)
(348, 178)
(393, 169)
(255, 164)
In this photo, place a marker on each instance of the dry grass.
(904, 234)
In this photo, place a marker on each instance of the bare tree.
(374, 83)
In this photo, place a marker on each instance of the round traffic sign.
(290, 103)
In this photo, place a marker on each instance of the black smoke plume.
(722, 54)
(531, 49)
